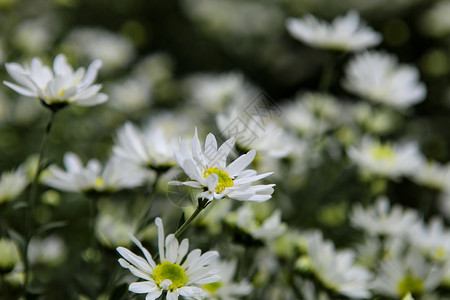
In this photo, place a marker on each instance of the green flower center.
(170, 271)
(212, 287)
(383, 152)
(410, 284)
(224, 179)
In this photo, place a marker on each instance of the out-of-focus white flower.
(382, 219)
(309, 291)
(9, 254)
(175, 274)
(337, 269)
(36, 35)
(12, 184)
(375, 120)
(265, 136)
(226, 288)
(114, 50)
(209, 171)
(313, 113)
(385, 159)
(50, 250)
(436, 20)
(215, 92)
(114, 224)
(345, 33)
(132, 94)
(432, 174)
(60, 87)
(265, 230)
(404, 274)
(235, 19)
(146, 148)
(115, 175)
(433, 240)
(377, 76)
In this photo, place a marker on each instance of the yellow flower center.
(170, 271)
(383, 152)
(224, 179)
(99, 182)
(212, 287)
(410, 284)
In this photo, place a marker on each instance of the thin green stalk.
(32, 199)
(202, 203)
(327, 74)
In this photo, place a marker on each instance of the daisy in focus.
(209, 171)
(175, 275)
(55, 89)
(345, 33)
(378, 77)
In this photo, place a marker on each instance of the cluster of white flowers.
(341, 192)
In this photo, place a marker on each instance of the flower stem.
(202, 203)
(32, 199)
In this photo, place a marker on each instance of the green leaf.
(50, 226)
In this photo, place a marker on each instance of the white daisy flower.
(377, 76)
(59, 87)
(313, 113)
(226, 288)
(12, 184)
(382, 219)
(385, 159)
(214, 92)
(89, 43)
(432, 239)
(149, 147)
(432, 174)
(113, 176)
(345, 33)
(209, 171)
(337, 269)
(266, 230)
(265, 136)
(404, 274)
(175, 275)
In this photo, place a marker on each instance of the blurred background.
(157, 55)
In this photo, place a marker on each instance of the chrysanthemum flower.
(113, 176)
(227, 288)
(382, 219)
(378, 77)
(149, 147)
(12, 183)
(337, 270)
(385, 159)
(410, 273)
(209, 171)
(343, 34)
(60, 87)
(175, 274)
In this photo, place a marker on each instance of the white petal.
(240, 163)
(142, 287)
(147, 254)
(160, 226)
(171, 248)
